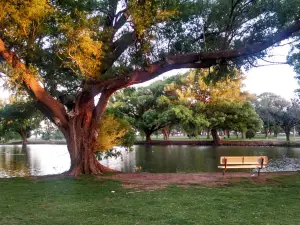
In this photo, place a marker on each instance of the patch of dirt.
(152, 181)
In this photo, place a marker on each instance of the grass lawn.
(86, 200)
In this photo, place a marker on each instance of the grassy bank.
(89, 201)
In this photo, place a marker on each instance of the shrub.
(250, 134)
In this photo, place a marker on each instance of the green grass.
(89, 201)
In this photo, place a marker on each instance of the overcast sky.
(279, 79)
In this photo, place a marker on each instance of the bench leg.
(258, 173)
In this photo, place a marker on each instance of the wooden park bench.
(237, 162)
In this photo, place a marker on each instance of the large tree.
(64, 53)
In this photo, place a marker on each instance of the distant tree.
(288, 118)
(223, 101)
(229, 115)
(268, 105)
(20, 117)
(47, 130)
(148, 110)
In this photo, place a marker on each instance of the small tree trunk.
(243, 134)
(24, 137)
(266, 132)
(208, 134)
(166, 133)
(287, 133)
(25, 141)
(148, 137)
(236, 134)
(216, 138)
(228, 133)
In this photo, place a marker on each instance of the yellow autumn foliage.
(194, 87)
(144, 14)
(111, 132)
(19, 16)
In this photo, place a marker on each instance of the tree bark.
(208, 134)
(148, 137)
(166, 132)
(81, 137)
(287, 134)
(243, 134)
(266, 132)
(81, 134)
(23, 134)
(25, 141)
(216, 138)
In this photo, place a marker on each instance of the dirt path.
(146, 181)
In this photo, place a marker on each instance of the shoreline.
(177, 142)
(223, 143)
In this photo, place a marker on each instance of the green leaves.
(19, 117)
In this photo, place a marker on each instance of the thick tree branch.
(191, 60)
(101, 105)
(118, 47)
(32, 85)
(120, 20)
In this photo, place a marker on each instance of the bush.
(250, 134)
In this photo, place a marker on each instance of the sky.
(278, 79)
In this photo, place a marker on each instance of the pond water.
(53, 159)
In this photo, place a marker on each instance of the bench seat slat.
(241, 166)
(243, 159)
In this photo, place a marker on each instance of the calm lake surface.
(53, 159)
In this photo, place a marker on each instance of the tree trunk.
(24, 137)
(148, 137)
(81, 133)
(82, 143)
(25, 141)
(236, 134)
(216, 138)
(166, 133)
(243, 134)
(228, 133)
(287, 134)
(208, 134)
(266, 132)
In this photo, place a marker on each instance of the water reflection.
(125, 162)
(161, 159)
(53, 159)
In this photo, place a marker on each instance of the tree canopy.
(268, 105)
(225, 106)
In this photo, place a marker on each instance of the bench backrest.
(244, 160)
